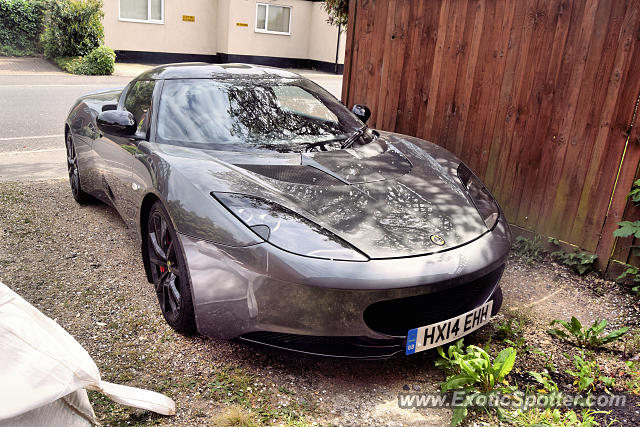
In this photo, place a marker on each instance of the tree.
(338, 11)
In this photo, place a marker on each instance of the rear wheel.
(74, 176)
(168, 271)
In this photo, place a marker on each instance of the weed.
(528, 249)
(234, 416)
(234, 386)
(633, 384)
(581, 262)
(634, 274)
(586, 338)
(473, 370)
(543, 378)
(631, 344)
(510, 328)
(548, 362)
(587, 373)
(536, 417)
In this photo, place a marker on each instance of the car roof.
(202, 70)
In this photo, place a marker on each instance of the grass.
(12, 51)
(68, 63)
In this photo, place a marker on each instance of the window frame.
(266, 20)
(144, 21)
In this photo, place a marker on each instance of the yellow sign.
(242, 24)
(188, 18)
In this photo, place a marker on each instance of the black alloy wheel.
(168, 271)
(74, 175)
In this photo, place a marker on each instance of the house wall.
(174, 36)
(323, 37)
(224, 30)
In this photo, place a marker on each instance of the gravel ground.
(80, 266)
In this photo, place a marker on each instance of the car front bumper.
(263, 294)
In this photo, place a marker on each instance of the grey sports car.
(267, 211)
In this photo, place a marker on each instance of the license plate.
(430, 336)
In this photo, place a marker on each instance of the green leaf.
(459, 414)
(503, 363)
(612, 336)
(455, 382)
(628, 228)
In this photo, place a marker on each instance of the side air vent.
(297, 174)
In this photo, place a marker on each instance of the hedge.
(21, 24)
(74, 28)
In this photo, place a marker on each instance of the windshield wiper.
(354, 137)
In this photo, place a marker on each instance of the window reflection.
(275, 114)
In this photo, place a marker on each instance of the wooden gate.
(536, 96)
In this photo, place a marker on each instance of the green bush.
(74, 28)
(100, 62)
(21, 24)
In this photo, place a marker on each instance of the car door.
(116, 153)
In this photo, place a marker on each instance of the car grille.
(396, 317)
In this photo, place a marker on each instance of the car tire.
(497, 301)
(168, 271)
(74, 175)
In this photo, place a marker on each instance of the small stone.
(406, 387)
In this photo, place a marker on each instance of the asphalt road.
(35, 99)
(33, 108)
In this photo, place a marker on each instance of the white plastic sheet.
(41, 363)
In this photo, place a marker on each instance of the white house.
(284, 33)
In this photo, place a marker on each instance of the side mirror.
(117, 122)
(362, 112)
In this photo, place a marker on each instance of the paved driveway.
(36, 97)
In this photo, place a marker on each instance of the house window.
(273, 19)
(151, 11)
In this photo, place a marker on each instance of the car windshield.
(284, 115)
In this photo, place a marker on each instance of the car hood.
(395, 197)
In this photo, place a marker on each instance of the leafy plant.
(74, 28)
(99, 62)
(338, 11)
(474, 371)
(633, 384)
(634, 274)
(588, 338)
(631, 344)
(544, 379)
(527, 249)
(587, 373)
(555, 418)
(510, 329)
(581, 262)
(448, 362)
(21, 24)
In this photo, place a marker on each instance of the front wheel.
(168, 271)
(74, 176)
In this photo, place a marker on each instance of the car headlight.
(286, 229)
(481, 197)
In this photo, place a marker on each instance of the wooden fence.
(537, 97)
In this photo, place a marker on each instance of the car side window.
(138, 103)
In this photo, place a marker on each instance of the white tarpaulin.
(41, 363)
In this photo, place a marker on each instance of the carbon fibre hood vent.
(296, 174)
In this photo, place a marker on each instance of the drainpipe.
(335, 69)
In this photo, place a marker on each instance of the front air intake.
(397, 316)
